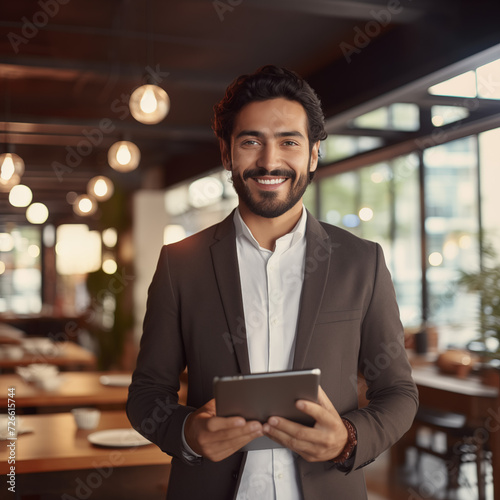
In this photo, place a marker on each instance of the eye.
(249, 142)
(290, 143)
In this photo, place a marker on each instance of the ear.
(225, 153)
(314, 156)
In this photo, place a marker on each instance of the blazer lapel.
(225, 261)
(317, 265)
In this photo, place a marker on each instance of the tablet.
(261, 395)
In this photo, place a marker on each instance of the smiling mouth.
(278, 180)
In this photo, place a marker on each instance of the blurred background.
(107, 153)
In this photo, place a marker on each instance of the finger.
(290, 434)
(209, 407)
(320, 414)
(311, 444)
(215, 424)
(230, 433)
(324, 400)
(223, 446)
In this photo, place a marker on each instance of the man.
(269, 289)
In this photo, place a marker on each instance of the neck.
(267, 231)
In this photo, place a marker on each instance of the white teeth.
(270, 181)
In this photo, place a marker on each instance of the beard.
(267, 203)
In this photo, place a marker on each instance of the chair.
(451, 440)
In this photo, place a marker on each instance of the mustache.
(261, 172)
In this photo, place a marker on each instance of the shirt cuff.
(187, 452)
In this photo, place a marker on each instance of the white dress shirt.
(271, 285)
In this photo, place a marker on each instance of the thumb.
(324, 400)
(209, 407)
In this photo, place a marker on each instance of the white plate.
(118, 438)
(116, 380)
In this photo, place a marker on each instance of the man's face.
(270, 157)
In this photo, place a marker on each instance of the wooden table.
(468, 396)
(69, 355)
(57, 445)
(76, 389)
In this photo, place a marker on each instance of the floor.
(429, 483)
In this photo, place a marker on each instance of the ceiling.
(67, 68)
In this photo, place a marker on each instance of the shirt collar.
(290, 239)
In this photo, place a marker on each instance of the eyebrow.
(256, 133)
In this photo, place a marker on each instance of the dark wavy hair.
(268, 82)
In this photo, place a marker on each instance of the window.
(20, 270)
(381, 203)
(397, 116)
(452, 230)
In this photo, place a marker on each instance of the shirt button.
(280, 476)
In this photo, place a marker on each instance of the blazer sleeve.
(392, 393)
(152, 405)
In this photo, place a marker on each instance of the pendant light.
(20, 196)
(85, 205)
(149, 104)
(37, 213)
(10, 165)
(124, 156)
(100, 187)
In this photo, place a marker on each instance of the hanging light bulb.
(85, 205)
(124, 156)
(10, 165)
(37, 213)
(100, 187)
(149, 104)
(20, 196)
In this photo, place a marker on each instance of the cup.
(49, 383)
(86, 418)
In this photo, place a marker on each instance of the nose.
(270, 157)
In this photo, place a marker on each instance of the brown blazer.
(348, 321)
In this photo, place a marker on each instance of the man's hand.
(215, 437)
(323, 442)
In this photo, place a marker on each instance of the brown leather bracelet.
(352, 441)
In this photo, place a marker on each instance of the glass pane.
(488, 80)
(406, 246)
(463, 85)
(490, 183)
(337, 147)
(397, 116)
(338, 195)
(442, 115)
(378, 119)
(20, 270)
(374, 204)
(405, 116)
(451, 226)
(381, 203)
